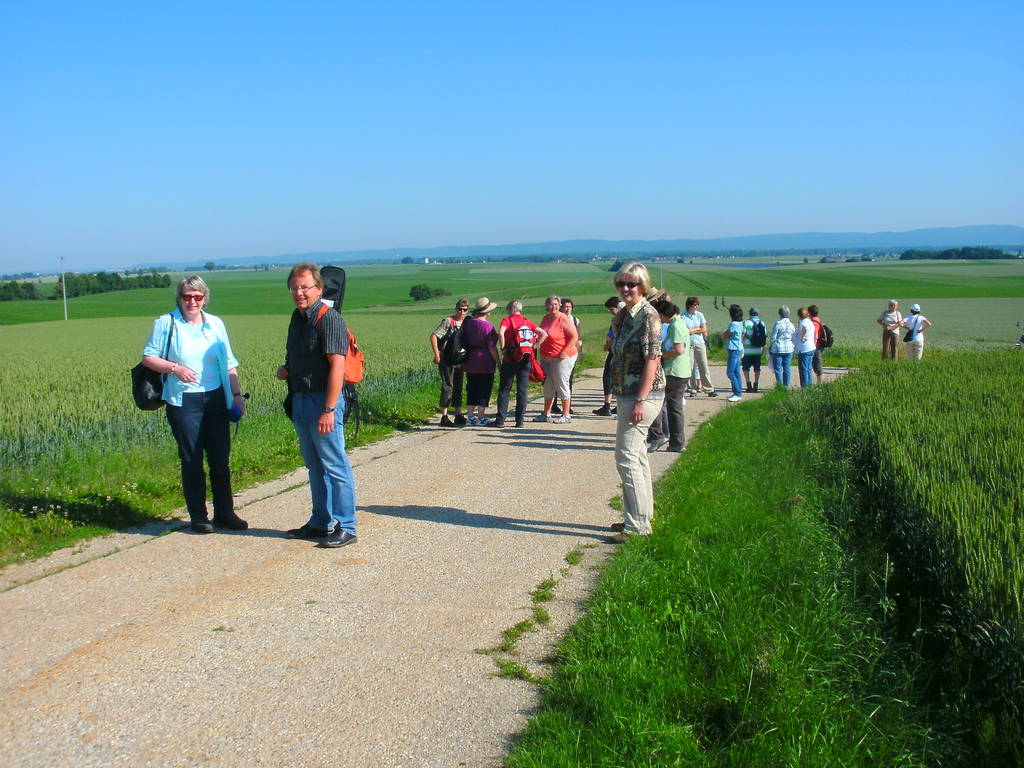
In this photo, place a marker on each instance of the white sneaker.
(563, 419)
(483, 421)
(733, 399)
(541, 417)
(472, 421)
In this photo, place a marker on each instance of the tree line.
(970, 253)
(82, 285)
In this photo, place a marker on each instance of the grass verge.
(91, 492)
(735, 635)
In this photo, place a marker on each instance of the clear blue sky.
(136, 132)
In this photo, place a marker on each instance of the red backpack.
(519, 338)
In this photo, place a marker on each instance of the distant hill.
(940, 237)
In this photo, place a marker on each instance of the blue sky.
(137, 132)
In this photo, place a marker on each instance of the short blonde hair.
(306, 266)
(635, 272)
(191, 283)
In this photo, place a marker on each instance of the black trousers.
(200, 426)
(520, 374)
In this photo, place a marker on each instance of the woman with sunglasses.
(638, 383)
(191, 348)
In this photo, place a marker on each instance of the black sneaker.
(307, 532)
(338, 538)
(754, 389)
(460, 420)
(445, 422)
(556, 409)
(604, 410)
(497, 423)
(200, 526)
(749, 389)
(232, 521)
(618, 527)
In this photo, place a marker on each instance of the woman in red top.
(557, 358)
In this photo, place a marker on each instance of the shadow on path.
(453, 516)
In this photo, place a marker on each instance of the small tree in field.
(420, 292)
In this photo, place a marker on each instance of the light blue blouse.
(735, 341)
(204, 348)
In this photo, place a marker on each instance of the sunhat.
(483, 306)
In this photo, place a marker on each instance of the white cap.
(915, 307)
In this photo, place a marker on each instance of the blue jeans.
(781, 363)
(732, 370)
(806, 361)
(331, 483)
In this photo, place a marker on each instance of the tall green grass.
(735, 635)
(80, 460)
(935, 464)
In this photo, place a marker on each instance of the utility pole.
(63, 288)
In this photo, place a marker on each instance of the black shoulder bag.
(147, 384)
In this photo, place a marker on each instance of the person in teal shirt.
(733, 336)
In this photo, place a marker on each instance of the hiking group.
(656, 357)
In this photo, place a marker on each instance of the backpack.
(827, 339)
(758, 335)
(519, 339)
(455, 350)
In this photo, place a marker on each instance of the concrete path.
(250, 649)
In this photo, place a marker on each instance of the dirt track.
(252, 649)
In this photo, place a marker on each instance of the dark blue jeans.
(520, 374)
(200, 426)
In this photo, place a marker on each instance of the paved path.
(248, 648)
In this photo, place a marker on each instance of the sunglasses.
(625, 284)
(196, 297)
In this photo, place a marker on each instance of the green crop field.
(68, 427)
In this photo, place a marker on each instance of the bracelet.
(173, 366)
(237, 394)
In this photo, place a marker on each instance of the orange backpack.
(355, 360)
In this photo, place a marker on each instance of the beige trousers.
(634, 468)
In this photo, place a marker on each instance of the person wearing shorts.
(751, 354)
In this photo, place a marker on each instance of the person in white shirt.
(806, 345)
(916, 325)
(781, 348)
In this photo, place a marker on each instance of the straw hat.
(483, 306)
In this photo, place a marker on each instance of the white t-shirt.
(806, 329)
(914, 323)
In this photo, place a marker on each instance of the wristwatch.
(329, 410)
